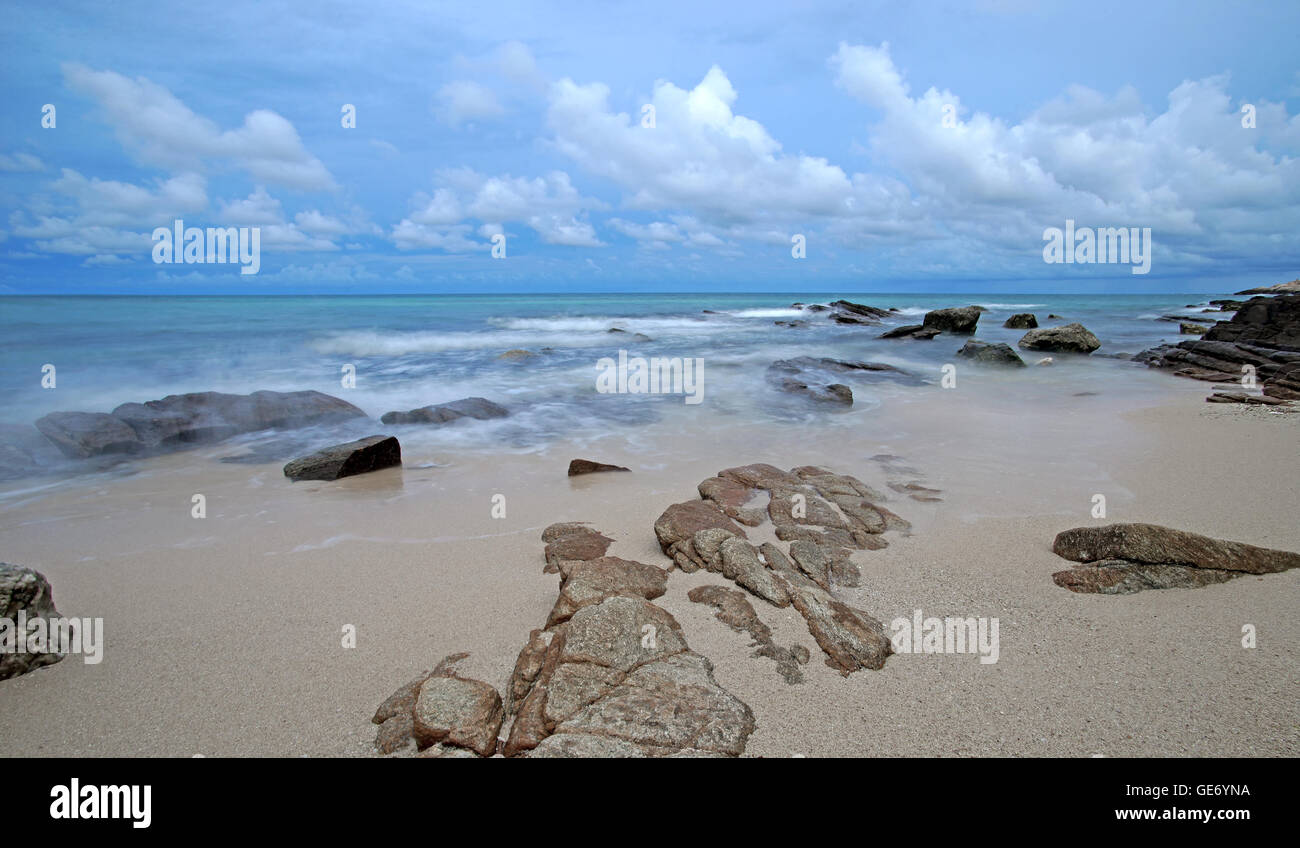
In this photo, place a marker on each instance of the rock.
(792, 324)
(458, 712)
(676, 527)
(1119, 577)
(572, 542)
(850, 638)
(1054, 317)
(593, 581)
(991, 354)
(1228, 305)
(1292, 286)
(177, 421)
(1284, 384)
(517, 355)
(1153, 544)
(360, 457)
(860, 310)
(911, 331)
(85, 434)
(25, 591)
(1046, 360)
(587, 466)
(961, 319)
(1021, 321)
(741, 564)
(1072, 338)
(1241, 397)
(834, 393)
(1272, 322)
(735, 611)
(1192, 329)
(731, 497)
(477, 408)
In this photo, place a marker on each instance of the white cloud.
(20, 162)
(164, 132)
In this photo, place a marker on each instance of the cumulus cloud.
(164, 132)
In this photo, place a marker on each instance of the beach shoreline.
(224, 635)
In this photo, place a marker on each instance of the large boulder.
(477, 408)
(1021, 321)
(959, 319)
(25, 591)
(364, 455)
(1071, 338)
(991, 353)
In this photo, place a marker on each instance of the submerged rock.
(477, 408)
(179, 421)
(364, 455)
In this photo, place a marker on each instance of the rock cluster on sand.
(587, 466)
(991, 353)
(735, 611)
(179, 421)
(1021, 321)
(1071, 338)
(471, 407)
(1124, 558)
(27, 591)
(1263, 334)
(610, 675)
(369, 454)
(823, 516)
(959, 319)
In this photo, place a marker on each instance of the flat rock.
(360, 457)
(80, 435)
(1119, 577)
(595, 580)
(1153, 544)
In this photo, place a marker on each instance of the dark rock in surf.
(478, 408)
(333, 463)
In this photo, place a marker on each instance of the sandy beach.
(224, 634)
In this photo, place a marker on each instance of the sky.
(857, 146)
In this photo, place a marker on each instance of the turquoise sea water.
(409, 351)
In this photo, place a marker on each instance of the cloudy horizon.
(650, 148)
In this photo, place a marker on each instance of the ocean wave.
(785, 312)
(369, 343)
(1012, 305)
(600, 323)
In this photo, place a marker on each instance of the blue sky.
(915, 146)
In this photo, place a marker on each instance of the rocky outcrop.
(1280, 288)
(991, 354)
(960, 319)
(26, 592)
(1071, 338)
(578, 467)
(1124, 558)
(847, 312)
(1021, 321)
(478, 408)
(364, 455)
(823, 517)
(179, 421)
(1191, 329)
